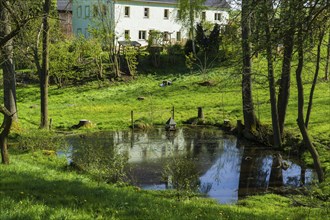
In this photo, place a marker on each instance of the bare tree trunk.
(272, 91)
(7, 122)
(9, 79)
(306, 138)
(248, 108)
(288, 43)
(317, 68)
(44, 75)
(9, 83)
(326, 77)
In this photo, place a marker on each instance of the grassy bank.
(38, 186)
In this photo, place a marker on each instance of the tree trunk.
(317, 68)
(44, 75)
(191, 32)
(9, 83)
(306, 138)
(248, 108)
(9, 79)
(288, 43)
(272, 91)
(326, 77)
(7, 122)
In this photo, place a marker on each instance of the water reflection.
(227, 170)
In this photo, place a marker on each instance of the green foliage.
(188, 47)
(182, 174)
(104, 163)
(40, 140)
(209, 43)
(131, 54)
(74, 60)
(155, 38)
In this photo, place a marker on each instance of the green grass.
(36, 186)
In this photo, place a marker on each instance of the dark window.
(126, 11)
(127, 35)
(217, 16)
(146, 12)
(166, 13)
(178, 36)
(203, 15)
(142, 35)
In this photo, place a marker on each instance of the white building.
(133, 19)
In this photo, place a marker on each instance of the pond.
(226, 170)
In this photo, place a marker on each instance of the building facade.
(64, 8)
(134, 19)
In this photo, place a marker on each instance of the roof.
(130, 43)
(171, 121)
(210, 3)
(64, 5)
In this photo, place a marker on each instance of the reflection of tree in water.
(254, 172)
(276, 176)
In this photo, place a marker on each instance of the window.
(217, 16)
(146, 12)
(79, 11)
(95, 11)
(178, 14)
(142, 35)
(127, 36)
(87, 11)
(178, 36)
(166, 13)
(203, 15)
(126, 11)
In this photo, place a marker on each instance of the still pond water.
(227, 170)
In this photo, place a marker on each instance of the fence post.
(200, 113)
(132, 119)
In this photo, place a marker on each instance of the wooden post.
(50, 123)
(132, 119)
(200, 113)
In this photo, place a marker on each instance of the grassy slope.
(35, 186)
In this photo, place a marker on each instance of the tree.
(9, 80)
(303, 27)
(300, 120)
(44, 74)
(326, 72)
(103, 28)
(188, 9)
(250, 121)
(8, 66)
(14, 15)
(208, 43)
(317, 68)
(272, 91)
(288, 32)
